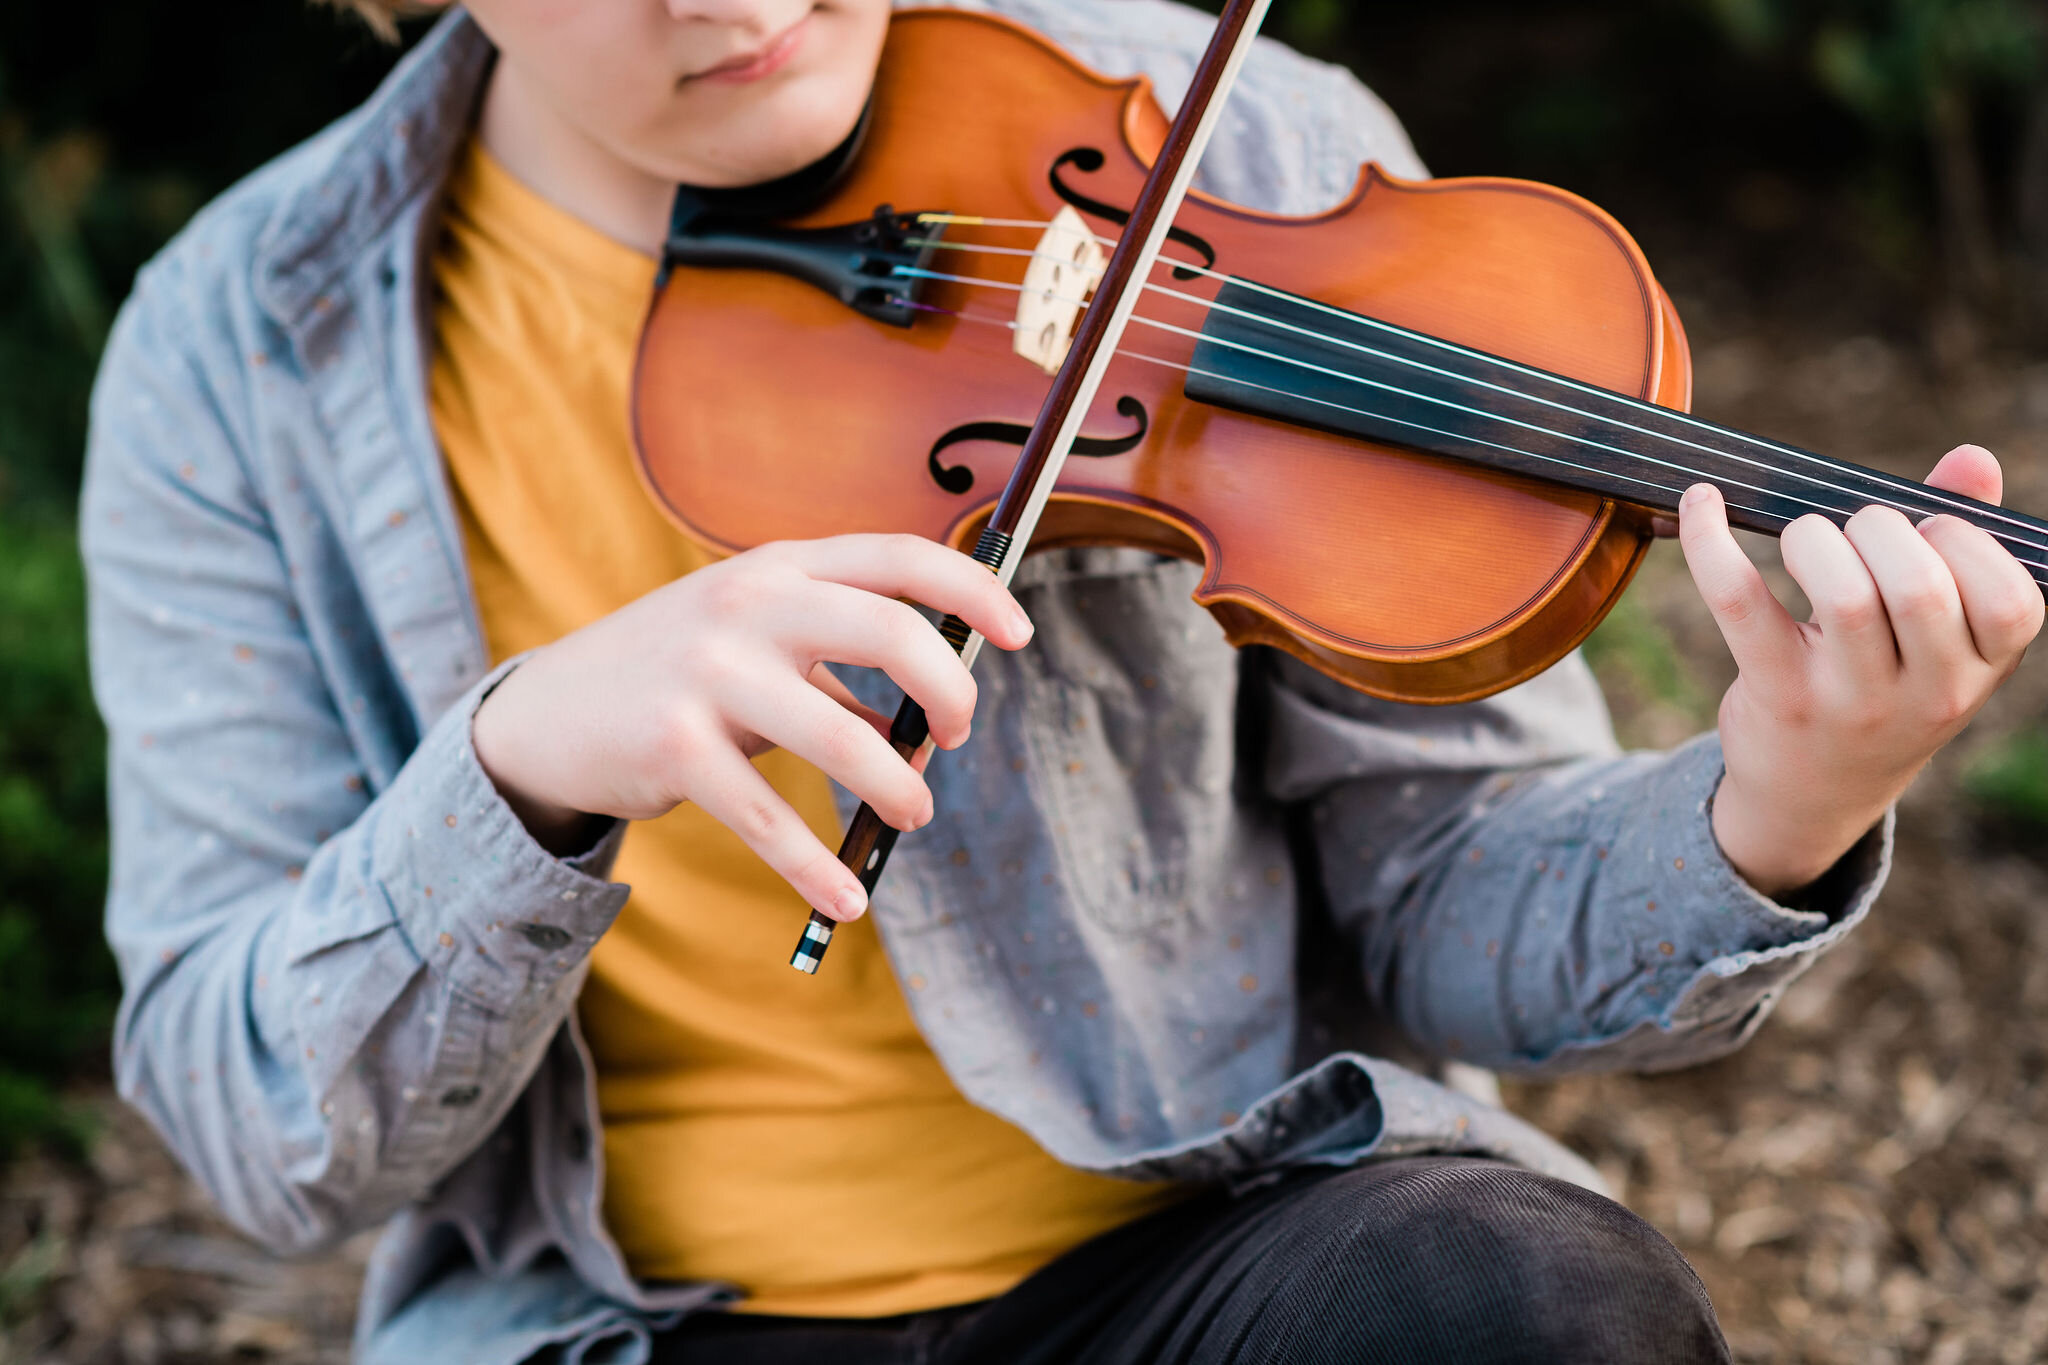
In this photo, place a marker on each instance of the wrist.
(1778, 847)
(561, 830)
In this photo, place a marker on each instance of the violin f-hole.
(958, 479)
(1090, 160)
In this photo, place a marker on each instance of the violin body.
(767, 409)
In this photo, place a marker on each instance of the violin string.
(1396, 391)
(1399, 392)
(1183, 367)
(1932, 495)
(1490, 415)
(1891, 482)
(1894, 483)
(1186, 368)
(1901, 488)
(976, 220)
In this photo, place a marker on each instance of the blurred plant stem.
(1965, 217)
(47, 187)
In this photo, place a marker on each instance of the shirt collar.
(402, 141)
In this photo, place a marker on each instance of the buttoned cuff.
(483, 904)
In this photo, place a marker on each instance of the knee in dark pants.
(1453, 1259)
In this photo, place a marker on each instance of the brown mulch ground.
(123, 1262)
(1868, 1182)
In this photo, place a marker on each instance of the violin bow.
(869, 839)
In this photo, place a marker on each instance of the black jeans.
(1414, 1260)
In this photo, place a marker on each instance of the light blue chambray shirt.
(350, 974)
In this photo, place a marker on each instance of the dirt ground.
(1867, 1182)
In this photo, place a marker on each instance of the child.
(392, 647)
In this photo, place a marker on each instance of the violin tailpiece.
(877, 266)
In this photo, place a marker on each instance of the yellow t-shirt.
(792, 1135)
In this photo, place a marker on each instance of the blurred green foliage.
(1894, 61)
(56, 989)
(1953, 84)
(1904, 142)
(1635, 656)
(2010, 781)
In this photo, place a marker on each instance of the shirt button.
(579, 1143)
(546, 937)
(460, 1096)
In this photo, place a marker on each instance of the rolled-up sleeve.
(332, 994)
(1526, 898)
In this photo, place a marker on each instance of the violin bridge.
(1063, 273)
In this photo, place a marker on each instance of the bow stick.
(865, 850)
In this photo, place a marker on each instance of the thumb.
(1972, 471)
(1760, 633)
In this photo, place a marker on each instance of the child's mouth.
(762, 61)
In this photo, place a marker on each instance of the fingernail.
(1023, 622)
(848, 904)
(1693, 495)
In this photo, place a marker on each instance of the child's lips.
(762, 61)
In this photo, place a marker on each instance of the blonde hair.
(381, 16)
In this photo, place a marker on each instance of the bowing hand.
(1913, 629)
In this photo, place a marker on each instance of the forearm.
(341, 953)
(320, 1050)
(1782, 847)
(1584, 917)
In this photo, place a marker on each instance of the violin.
(1416, 441)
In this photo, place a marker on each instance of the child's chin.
(804, 131)
(779, 125)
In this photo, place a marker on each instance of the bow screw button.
(460, 1096)
(546, 937)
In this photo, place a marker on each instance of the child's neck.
(558, 162)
